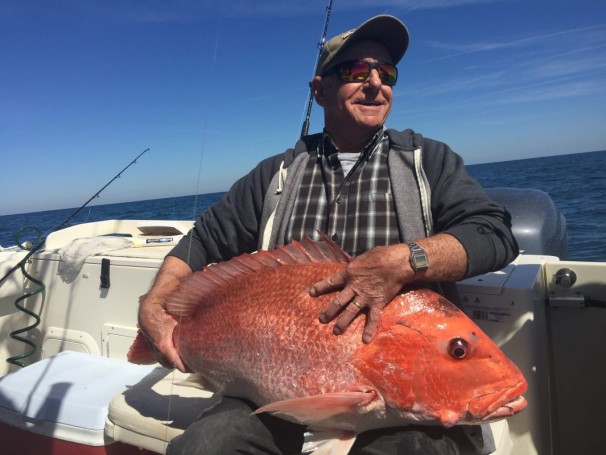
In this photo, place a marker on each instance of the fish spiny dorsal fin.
(205, 283)
(329, 249)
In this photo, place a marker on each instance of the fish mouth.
(508, 409)
(501, 404)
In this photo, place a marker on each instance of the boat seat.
(157, 409)
(61, 402)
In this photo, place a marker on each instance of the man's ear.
(317, 88)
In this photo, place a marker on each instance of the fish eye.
(458, 348)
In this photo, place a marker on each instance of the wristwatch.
(418, 258)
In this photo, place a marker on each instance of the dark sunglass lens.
(388, 74)
(359, 71)
(354, 71)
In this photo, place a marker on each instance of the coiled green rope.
(16, 334)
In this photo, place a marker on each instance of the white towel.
(74, 254)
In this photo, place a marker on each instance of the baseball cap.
(388, 30)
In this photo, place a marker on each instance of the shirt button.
(339, 199)
(335, 236)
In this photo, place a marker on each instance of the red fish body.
(249, 328)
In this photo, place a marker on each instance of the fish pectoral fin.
(316, 408)
(328, 441)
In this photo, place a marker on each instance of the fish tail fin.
(140, 351)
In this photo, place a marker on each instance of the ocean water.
(577, 185)
(575, 182)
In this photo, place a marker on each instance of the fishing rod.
(42, 239)
(16, 334)
(321, 44)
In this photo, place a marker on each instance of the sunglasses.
(359, 71)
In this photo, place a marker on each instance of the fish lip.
(508, 409)
(510, 394)
(505, 403)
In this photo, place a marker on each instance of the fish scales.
(249, 328)
(282, 348)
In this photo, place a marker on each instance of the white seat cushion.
(66, 396)
(151, 413)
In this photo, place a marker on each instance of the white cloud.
(584, 37)
(159, 11)
(548, 65)
(551, 90)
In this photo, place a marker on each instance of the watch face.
(420, 260)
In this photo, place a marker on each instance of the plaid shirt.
(357, 209)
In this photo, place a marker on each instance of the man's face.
(360, 107)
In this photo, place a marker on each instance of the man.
(401, 204)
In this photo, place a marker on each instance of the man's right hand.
(157, 326)
(155, 323)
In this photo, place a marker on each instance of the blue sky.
(212, 87)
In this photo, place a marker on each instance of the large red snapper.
(249, 328)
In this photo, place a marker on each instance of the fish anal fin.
(328, 441)
(317, 408)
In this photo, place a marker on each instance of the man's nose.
(374, 79)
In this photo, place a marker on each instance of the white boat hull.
(541, 325)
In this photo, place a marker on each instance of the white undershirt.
(347, 161)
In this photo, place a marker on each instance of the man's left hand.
(370, 281)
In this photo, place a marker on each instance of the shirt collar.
(328, 147)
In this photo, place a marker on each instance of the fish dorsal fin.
(205, 283)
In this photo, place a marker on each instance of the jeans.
(228, 428)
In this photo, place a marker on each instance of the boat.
(67, 387)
